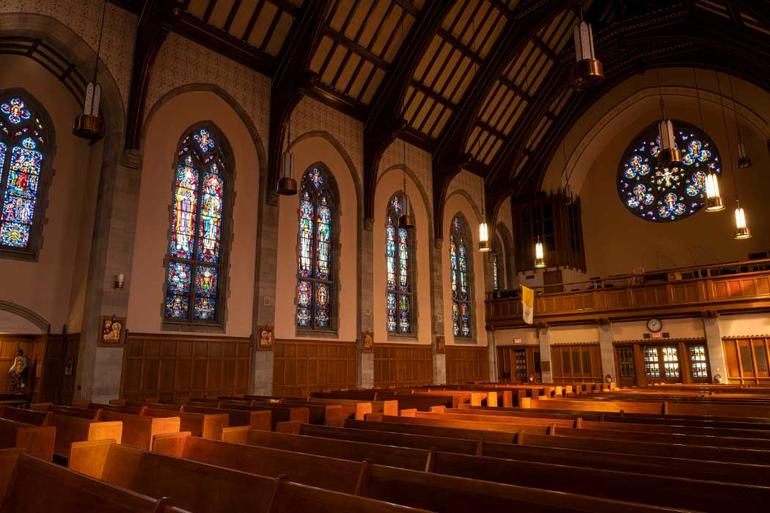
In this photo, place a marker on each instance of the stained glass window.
(317, 233)
(195, 253)
(459, 269)
(495, 258)
(664, 194)
(399, 300)
(23, 144)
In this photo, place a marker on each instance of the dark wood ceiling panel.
(262, 24)
(361, 39)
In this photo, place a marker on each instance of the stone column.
(99, 368)
(437, 320)
(607, 351)
(492, 356)
(716, 351)
(544, 339)
(365, 344)
(263, 319)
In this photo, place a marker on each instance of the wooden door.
(661, 363)
(624, 361)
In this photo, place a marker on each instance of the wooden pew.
(140, 430)
(279, 412)
(262, 419)
(31, 485)
(323, 413)
(675, 491)
(207, 425)
(390, 438)
(435, 492)
(36, 440)
(401, 457)
(206, 488)
(36, 418)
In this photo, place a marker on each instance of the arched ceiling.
(481, 84)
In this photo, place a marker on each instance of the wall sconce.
(120, 280)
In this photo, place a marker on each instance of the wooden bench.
(36, 440)
(140, 430)
(435, 492)
(255, 419)
(672, 491)
(212, 489)
(31, 485)
(279, 412)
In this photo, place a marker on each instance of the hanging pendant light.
(742, 230)
(669, 153)
(539, 255)
(743, 159)
(588, 70)
(713, 198)
(287, 185)
(88, 124)
(484, 246)
(406, 219)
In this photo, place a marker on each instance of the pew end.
(236, 434)
(290, 426)
(171, 444)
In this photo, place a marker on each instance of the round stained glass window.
(667, 193)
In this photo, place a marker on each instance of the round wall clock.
(654, 325)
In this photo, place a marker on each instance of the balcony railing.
(723, 288)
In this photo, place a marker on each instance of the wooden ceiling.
(481, 84)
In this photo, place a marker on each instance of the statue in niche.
(18, 373)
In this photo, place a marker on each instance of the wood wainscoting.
(177, 367)
(304, 366)
(576, 363)
(748, 360)
(402, 365)
(466, 364)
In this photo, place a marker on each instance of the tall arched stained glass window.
(494, 261)
(196, 254)
(460, 272)
(667, 193)
(399, 299)
(317, 235)
(24, 162)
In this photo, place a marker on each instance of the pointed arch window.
(196, 254)
(24, 175)
(399, 299)
(317, 236)
(460, 275)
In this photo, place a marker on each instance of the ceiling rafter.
(150, 34)
(450, 156)
(385, 118)
(292, 78)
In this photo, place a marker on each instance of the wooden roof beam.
(292, 78)
(150, 34)
(385, 117)
(450, 156)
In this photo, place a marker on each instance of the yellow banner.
(527, 304)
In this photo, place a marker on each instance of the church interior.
(384, 256)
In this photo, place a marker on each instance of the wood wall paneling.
(403, 364)
(576, 363)
(748, 359)
(177, 367)
(61, 361)
(304, 366)
(466, 364)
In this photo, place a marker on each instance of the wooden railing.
(719, 293)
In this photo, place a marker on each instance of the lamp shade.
(713, 198)
(741, 226)
(484, 246)
(587, 70)
(539, 255)
(669, 153)
(287, 185)
(88, 125)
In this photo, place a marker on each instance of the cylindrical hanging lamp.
(88, 124)
(588, 70)
(713, 197)
(484, 245)
(742, 230)
(669, 153)
(287, 184)
(539, 255)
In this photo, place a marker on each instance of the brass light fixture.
(287, 184)
(588, 70)
(742, 230)
(713, 196)
(406, 219)
(88, 124)
(539, 255)
(669, 154)
(743, 158)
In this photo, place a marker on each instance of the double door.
(671, 361)
(517, 364)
